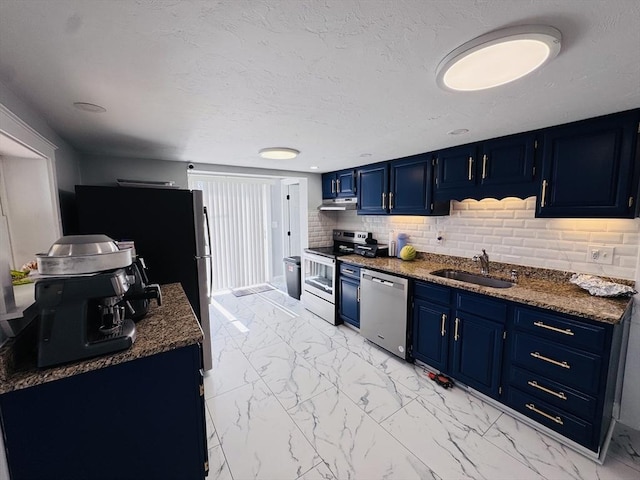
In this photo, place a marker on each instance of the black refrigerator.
(170, 230)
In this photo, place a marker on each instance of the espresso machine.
(82, 297)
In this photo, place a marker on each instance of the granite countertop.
(167, 327)
(538, 287)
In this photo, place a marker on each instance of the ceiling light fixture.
(498, 57)
(89, 107)
(458, 131)
(313, 167)
(279, 153)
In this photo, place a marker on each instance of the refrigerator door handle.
(210, 256)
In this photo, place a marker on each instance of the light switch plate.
(600, 254)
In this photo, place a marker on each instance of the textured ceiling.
(346, 82)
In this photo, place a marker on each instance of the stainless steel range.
(319, 273)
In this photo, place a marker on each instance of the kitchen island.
(138, 413)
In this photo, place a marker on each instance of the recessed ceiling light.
(498, 57)
(89, 107)
(458, 131)
(363, 155)
(279, 153)
(313, 167)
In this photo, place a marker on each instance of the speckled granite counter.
(538, 287)
(170, 326)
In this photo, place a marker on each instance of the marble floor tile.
(282, 298)
(270, 313)
(230, 370)
(212, 438)
(309, 342)
(289, 376)
(550, 458)
(257, 436)
(352, 444)
(456, 402)
(258, 336)
(450, 449)
(321, 472)
(370, 388)
(218, 468)
(377, 356)
(625, 446)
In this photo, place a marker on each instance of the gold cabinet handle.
(566, 331)
(358, 294)
(384, 200)
(390, 200)
(348, 270)
(550, 360)
(544, 193)
(455, 332)
(535, 384)
(470, 167)
(484, 166)
(532, 407)
(333, 186)
(338, 186)
(444, 319)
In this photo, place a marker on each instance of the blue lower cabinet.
(477, 353)
(349, 294)
(554, 418)
(430, 334)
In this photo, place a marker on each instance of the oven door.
(319, 276)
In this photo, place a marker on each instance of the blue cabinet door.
(507, 166)
(349, 301)
(456, 172)
(409, 192)
(328, 185)
(430, 334)
(373, 182)
(477, 352)
(345, 183)
(590, 168)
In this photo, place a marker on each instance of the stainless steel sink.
(472, 278)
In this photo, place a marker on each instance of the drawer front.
(574, 368)
(552, 417)
(553, 393)
(495, 310)
(350, 271)
(571, 333)
(432, 293)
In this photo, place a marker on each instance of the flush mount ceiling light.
(89, 107)
(498, 57)
(458, 131)
(279, 153)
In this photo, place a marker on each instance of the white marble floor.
(293, 397)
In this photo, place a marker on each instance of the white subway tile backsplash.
(507, 229)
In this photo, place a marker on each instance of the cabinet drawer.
(495, 310)
(350, 271)
(432, 293)
(549, 416)
(574, 368)
(555, 327)
(558, 395)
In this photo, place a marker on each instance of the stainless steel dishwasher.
(383, 310)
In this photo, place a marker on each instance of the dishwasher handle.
(382, 282)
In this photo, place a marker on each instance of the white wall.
(510, 233)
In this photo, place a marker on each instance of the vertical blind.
(238, 221)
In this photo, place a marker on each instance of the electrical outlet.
(600, 254)
(440, 238)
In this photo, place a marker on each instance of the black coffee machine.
(82, 317)
(140, 292)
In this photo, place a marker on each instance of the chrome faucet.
(484, 262)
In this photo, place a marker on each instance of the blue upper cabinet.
(590, 168)
(498, 168)
(339, 184)
(373, 181)
(399, 187)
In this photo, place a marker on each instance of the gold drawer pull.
(534, 384)
(532, 407)
(455, 332)
(566, 331)
(550, 360)
(444, 319)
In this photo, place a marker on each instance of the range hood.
(347, 203)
